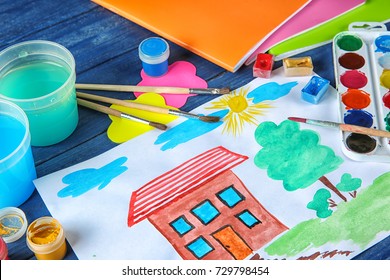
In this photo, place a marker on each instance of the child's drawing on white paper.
(269, 188)
(81, 181)
(204, 210)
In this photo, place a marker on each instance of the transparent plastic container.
(13, 224)
(46, 238)
(17, 168)
(39, 76)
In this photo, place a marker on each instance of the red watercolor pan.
(353, 79)
(362, 73)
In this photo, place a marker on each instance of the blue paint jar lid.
(153, 50)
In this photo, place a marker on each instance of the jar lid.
(153, 50)
(13, 224)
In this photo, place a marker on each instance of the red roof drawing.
(179, 181)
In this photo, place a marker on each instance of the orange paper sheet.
(223, 32)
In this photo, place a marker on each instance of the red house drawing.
(204, 210)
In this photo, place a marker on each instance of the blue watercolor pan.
(361, 60)
(315, 89)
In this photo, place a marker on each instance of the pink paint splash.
(180, 74)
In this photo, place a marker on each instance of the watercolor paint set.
(362, 74)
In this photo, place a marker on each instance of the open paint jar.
(13, 224)
(3, 250)
(17, 168)
(154, 54)
(39, 76)
(46, 238)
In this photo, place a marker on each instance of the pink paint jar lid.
(13, 224)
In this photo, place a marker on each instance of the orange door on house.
(232, 243)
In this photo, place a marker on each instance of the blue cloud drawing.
(187, 131)
(81, 181)
(270, 91)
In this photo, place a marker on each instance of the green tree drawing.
(349, 184)
(295, 156)
(320, 203)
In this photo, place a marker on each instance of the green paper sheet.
(371, 11)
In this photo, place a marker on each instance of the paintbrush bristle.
(209, 119)
(302, 120)
(158, 125)
(224, 91)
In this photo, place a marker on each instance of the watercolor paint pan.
(362, 73)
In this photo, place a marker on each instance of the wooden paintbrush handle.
(99, 108)
(129, 88)
(133, 105)
(365, 130)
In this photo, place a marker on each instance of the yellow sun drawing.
(241, 110)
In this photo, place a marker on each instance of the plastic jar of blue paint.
(154, 54)
(17, 167)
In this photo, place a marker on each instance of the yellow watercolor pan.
(298, 66)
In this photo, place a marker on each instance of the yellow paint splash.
(122, 130)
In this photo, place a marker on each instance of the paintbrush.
(119, 114)
(345, 127)
(155, 89)
(146, 107)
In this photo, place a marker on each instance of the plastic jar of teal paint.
(154, 54)
(39, 76)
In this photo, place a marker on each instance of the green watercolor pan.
(362, 73)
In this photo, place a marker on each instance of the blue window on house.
(199, 247)
(181, 225)
(205, 212)
(230, 196)
(248, 219)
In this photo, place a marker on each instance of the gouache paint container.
(362, 61)
(154, 54)
(17, 168)
(13, 224)
(46, 238)
(39, 76)
(3, 250)
(315, 89)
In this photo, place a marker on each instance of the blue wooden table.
(105, 49)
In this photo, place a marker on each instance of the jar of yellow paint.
(46, 238)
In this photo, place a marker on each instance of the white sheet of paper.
(95, 222)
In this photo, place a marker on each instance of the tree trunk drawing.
(328, 184)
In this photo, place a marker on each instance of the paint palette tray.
(362, 72)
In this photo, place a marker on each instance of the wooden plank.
(21, 19)
(105, 48)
